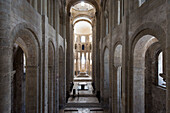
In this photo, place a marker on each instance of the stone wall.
(151, 15)
(34, 30)
(22, 24)
(159, 100)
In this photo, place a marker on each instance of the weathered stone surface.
(125, 78)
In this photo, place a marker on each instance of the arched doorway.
(25, 66)
(142, 73)
(18, 81)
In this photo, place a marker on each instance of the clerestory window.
(161, 75)
(141, 2)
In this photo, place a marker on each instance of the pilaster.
(168, 58)
(45, 63)
(5, 57)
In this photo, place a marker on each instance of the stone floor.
(83, 92)
(79, 79)
(83, 100)
(85, 96)
(83, 110)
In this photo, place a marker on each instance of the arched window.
(107, 25)
(161, 75)
(119, 12)
(75, 38)
(24, 57)
(141, 2)
(83, 39)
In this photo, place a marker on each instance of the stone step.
(84, 95)
(83, 105)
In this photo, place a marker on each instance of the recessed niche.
(82, 47)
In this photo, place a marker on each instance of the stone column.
(68, 63)
(31, 89)
(72, 53)
(95, 54)
(49, 10)
(50, 88)
(39, 6)
(56, 69)
(35, 4)
(5, 57)
(44, 58)
(76, 63)
(54, 13)
(127, 106)
(115, 13)
(79, 38)
(80, 61)
(168, 58)
(110, 54)
(121, 11)
(85, 60)
(89, 63)
(44, 7)
(51, 13)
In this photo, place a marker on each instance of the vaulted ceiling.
(98, 1)
(93, 2)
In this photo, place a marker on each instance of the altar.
(83, 74)
(82, 86)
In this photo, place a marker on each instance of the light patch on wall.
(75, 38)
(82, 3)
(24, 63)
(161, 82)
(82, 27)
(82, 6)
(83, 39)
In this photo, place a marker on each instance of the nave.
(84, 56)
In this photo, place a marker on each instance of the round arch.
(24, 36)
(117, 55)
(145, 36)
(87, 17)
(83, 20)
(149, 28)
(51, 53)
(92, 2)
